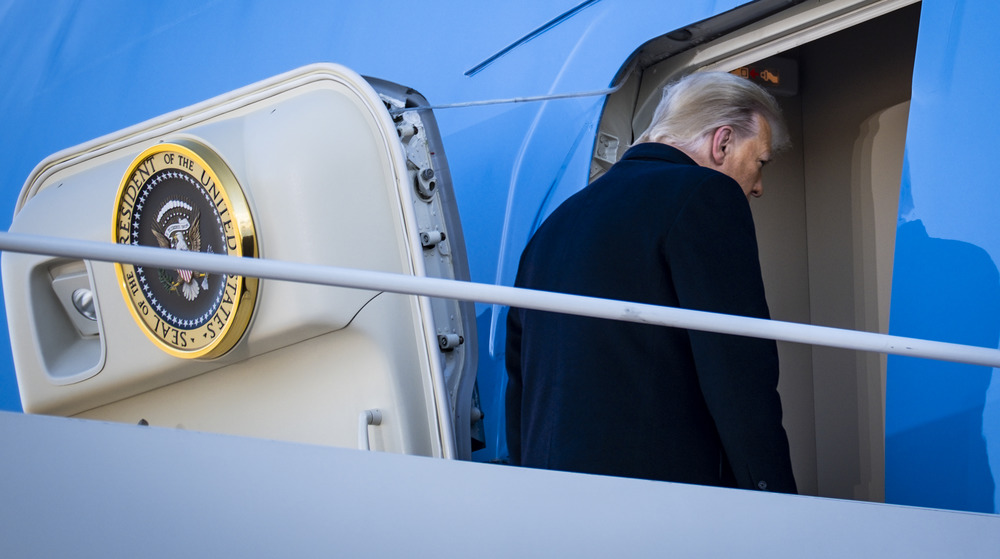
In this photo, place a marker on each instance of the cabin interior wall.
(846, 78)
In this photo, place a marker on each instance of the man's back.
(644, 401)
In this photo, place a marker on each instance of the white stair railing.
(501, 295)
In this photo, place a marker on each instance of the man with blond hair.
(669, 224)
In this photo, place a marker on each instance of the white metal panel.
(318, 158)
(89, 489)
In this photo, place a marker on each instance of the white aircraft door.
(318, 166)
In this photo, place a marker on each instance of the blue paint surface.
(943, 419)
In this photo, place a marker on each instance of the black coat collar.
(663, 152)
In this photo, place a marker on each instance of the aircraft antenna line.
(532, 99)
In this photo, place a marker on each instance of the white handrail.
(501, 295)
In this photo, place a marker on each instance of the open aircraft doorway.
(826, 225)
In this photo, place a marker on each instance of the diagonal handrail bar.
(501, 295)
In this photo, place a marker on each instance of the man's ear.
(722, 144)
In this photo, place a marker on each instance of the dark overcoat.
(626, 399)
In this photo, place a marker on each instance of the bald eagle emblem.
(177, 227)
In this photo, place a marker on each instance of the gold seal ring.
(181, 195)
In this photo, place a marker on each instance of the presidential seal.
(182, 196)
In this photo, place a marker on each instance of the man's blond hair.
(695, 106)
